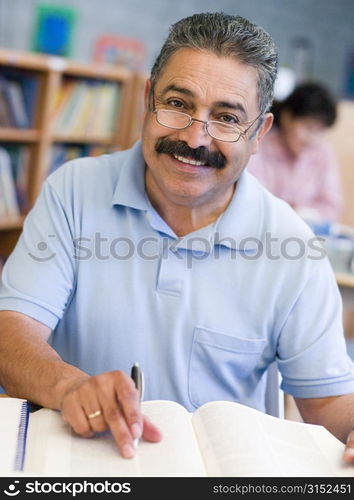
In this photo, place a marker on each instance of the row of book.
(62, 153)
(14, 169)
(18, 94)
(14, 172)
(86, 108)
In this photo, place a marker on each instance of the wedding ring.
(94, 414)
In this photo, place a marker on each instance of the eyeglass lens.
(178, 120)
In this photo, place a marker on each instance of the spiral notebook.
(221, 438)
(13, 433)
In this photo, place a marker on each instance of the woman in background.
(294, 161)
(297, 164)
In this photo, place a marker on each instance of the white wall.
(327, 23)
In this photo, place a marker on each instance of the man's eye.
(229, 119)
(175, 103)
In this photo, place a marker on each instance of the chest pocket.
(219, 365)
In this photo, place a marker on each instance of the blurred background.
(315, 37)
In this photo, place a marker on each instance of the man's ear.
(147, 90)
(263, 129)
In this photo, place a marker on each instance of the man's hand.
(335, 413)
(348, 455)
(115, 400)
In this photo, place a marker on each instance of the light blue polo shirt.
(204, 315)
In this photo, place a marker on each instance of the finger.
(129, 402)
(112, 389)
(349, 448)
(119, 429)
(117, 391)
(94, 414)
(96, 420)
(86, 396)
(74, 414)
(151, 432)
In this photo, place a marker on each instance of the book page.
(54, 450)
(236, 440)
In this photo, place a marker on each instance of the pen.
(138, 377)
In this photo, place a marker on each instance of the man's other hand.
(348, 455)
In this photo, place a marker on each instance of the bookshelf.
(32, 93)
(137, 108)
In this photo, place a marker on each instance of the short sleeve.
(311, 352)
(38, 277)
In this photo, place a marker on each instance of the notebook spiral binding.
(21, 437)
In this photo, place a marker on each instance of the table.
(345, 282)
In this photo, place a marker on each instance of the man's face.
(207, 87)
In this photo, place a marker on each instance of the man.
(155, 255)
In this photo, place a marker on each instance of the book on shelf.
(86, 108)
(8, 198)
(3, 209)
(94, 114)
(62, 153)
(17, 100)
(81, 124)
(220, 438)
(70, 109)
(4, 112)
(19, 158)
(17, 105)
(30, 86)
(105, 110)
(61, 97)
(21, 176)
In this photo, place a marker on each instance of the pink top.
(309, 181)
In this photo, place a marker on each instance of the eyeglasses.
(216, 129)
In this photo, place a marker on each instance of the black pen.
(138, 377)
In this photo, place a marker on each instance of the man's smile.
(190, 161)
(180, 151)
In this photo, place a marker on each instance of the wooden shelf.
(19, 135)
(104, 141)
(42, 62)
(50, 74)
(24, 60)
(345, 279)
(11, 223)
(96, 71)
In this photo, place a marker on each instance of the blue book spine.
(30, 94)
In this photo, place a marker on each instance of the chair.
(274, 396)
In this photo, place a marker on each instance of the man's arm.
(33, 370)
(29, 367)
(334, 413)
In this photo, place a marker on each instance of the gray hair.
(225, 36)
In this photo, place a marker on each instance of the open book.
(219, 439)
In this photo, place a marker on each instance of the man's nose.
(195, 135)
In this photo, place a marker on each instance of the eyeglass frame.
(191, 120)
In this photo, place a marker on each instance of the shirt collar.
(237, 228)
(130, 188)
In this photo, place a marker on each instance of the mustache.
(180, 148)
